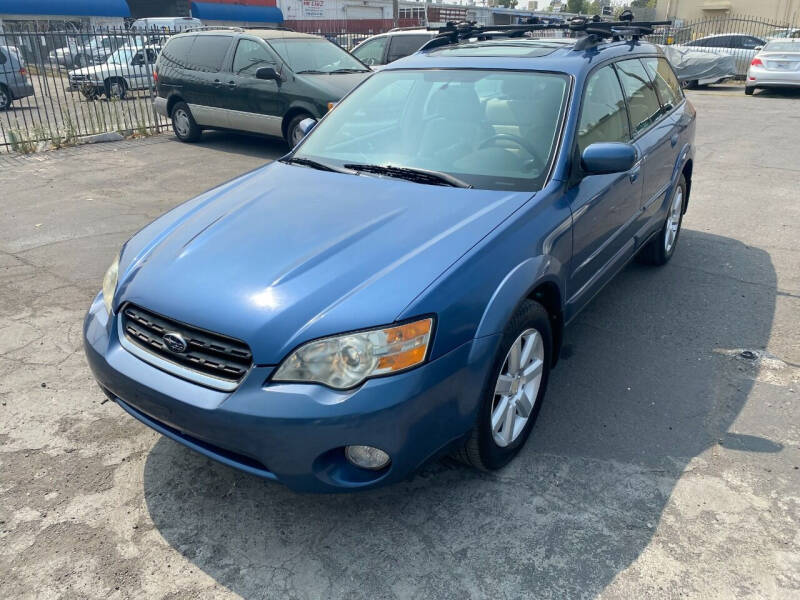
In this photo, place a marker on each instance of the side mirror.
(306, 125)
(608, 157)
(268, 73)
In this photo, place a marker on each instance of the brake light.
(23, 71)
(756, 63)
(155, 76)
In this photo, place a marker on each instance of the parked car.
(695, 68)
(257, 80)
(14, 81)
(783, 33)
(777, 65)
(165, 24)
(129, 68)
(388, 47)
(88, 49)
(397, 286)
(741, 46)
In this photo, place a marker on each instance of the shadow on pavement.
(241, 143)
(650, 379)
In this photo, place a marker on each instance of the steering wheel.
(508, 137)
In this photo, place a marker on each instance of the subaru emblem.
(174, 342)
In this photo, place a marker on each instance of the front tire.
(660, 249)
(183, 123)
(5, 98)
(293, 134)
(515, 390)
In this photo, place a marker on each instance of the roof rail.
(595, 30)
(410, 28)
(212, 28)
(270, 27)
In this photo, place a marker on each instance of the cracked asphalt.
(664, 463)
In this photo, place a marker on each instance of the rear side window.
(403, 45)
(643, 104)
(177, 50)
(208, 52)
(665, 82)
(371, 53)
(603, 116)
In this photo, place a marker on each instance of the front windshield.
(782, 47)
(314, 55)
(490, 129)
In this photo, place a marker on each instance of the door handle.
(217, 83)
(231, 84)
(674, 139)
(633, 174)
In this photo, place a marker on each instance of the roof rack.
(212, 28)
(595, 30)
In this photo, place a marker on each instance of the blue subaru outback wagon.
(397, 287)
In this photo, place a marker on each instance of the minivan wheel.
(5, 98)
(183, 123)
(293, 133)
(514, 391)
(749, 90)
(661, 247)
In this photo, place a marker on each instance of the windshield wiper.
(307, 162)
(349, 71)
(411, 174)
(310, 71)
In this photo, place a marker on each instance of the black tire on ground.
(291, 134)
(116, 89)
(749, 90)
(183, 124)
(5, 98)
(657, 252)
(480, 450)
(692, 85)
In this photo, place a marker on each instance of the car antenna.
(594, 28)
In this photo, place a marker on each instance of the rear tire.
(116, 89)
(502, 427)
(5, 98)
(749, 90)
(662, 246)
(183, 124)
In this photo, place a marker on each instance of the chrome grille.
(209, 354)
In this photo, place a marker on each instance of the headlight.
(344, 361)
(110, 283)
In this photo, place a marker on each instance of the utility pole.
(395, 12)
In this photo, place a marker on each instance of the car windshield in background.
(488, 129)
(123, 56)
(782, 46)
(304, 55)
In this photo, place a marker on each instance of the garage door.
(364, 12)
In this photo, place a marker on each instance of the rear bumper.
(296, 433)
(160, 105)
(20, 89)
(759, 77)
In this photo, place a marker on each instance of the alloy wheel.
(182, 124)
(673, 221)
(517, 387)
(297, 135)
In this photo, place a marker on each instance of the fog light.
(367, 457)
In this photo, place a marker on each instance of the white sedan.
(777, 65)
(129, 68)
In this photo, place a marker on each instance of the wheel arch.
(293, 112)
(534, 279)
(172, 101)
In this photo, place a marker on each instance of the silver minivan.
(14, 82)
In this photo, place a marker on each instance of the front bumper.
(296, 433)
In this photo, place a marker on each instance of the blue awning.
(208, 11)
(78, 8)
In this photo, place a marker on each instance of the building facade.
(781, 11)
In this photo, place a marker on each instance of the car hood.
(334, 86)
(286, 254)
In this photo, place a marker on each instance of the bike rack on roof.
(595, 29)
